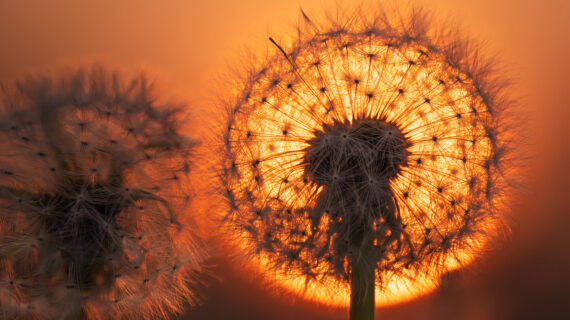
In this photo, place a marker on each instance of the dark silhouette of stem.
(362, 286)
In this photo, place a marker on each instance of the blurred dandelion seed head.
(93, 200)
(368, 128)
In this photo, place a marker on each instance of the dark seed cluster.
(93, 199)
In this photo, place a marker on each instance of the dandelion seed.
(90, 221)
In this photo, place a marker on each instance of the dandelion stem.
(362, 285)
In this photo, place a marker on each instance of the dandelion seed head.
(366, 129)
(93, 200)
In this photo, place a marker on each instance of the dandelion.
(93, 193)
(367, 157)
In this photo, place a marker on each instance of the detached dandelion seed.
(93, 193)
(367, 157)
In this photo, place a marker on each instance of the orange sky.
(188, 43)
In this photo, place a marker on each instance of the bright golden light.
(448, 192)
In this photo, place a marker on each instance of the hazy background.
(187, 44)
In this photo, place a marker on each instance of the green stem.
(362, 287)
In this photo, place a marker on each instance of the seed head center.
(364, 152)
(80, 221)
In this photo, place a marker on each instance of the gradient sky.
(188, 44)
